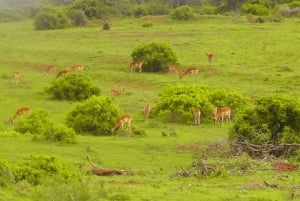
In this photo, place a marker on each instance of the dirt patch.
(284, 167)
(193, 148)
(26, 65)
(119, 183)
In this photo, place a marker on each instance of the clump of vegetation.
(5, 174)
(177, 102)
(43, 128)
(155, 56)
(106, 26)
(96, 115)
(147, 24)
(50, 17)
(139, 11)
(183, 13)
(78, 17)
(74, 87)
(255, 9)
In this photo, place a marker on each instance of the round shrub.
(51, 18)
(106, 26)
(78, 17)
(43, 128)
(139, 11)
(255, 9)
(74, 87)
(182, 13)
(155, 56)
(95, 115)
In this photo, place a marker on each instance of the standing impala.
(222, 113)
(123, 119)
(147, 110)
(135, 64)
(62, 73)
(190, 71)
(197, 115)
(50, 69)
(16, 77)
(117, 92)
(78, 68)
(174, 68)
(210, 57)
(21, 111)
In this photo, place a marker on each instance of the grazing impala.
(123, 119)
(210, 57)
(21, 111)
(192, 70)
(16, 77)
(117, 92)
(174, 68)
(147, 110)
(222, 113)
(135, 64)
(62, 73)
(78, 68)
(197, 115)
(50, 69)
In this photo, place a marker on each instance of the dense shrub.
(255, 9)
(106, 26)
(182, 13)
(74, 86)
(294, 4)
(208, 10)
(276, 118)
(78, 17)
(51, 18)
(155, 56)
(95, 115)
(5, 174)
(139, 11)
(43, 128)
(177, 102)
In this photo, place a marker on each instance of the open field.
(253, 59)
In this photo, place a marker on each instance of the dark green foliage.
(78, 17)
(36, 169)
(177, 102)
(182, 13)
(255, 9)
(74, 87)
(43, 128)
(106, 26)
(275, 118)
(96, 115)
(155, 56)
(51, 18)
(139, 11)
(5, 174)
(147, 24)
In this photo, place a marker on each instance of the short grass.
(254, 59)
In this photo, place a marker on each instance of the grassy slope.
(254, 59)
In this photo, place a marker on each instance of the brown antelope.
(78, 68)
(174, 68)
(192, 70)
(16, 77)
(197, 115)
(117, 92)
(210, 57)
(123, 119)
(62, 73)
(222, 113)
(21, 111)
(147, 110)
(135, 64)
(50, 69)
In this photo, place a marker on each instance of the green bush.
(182, 13)
(294, 4)
(74, 86)
(275, 118)
(95, 115)
(155, 56)
(208, 10)
(5, 174)
(255, 9)
(139, 11)
(43, 128)
(78, 17)
(51, 18)
(106, 26)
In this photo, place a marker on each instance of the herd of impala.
(219, 114)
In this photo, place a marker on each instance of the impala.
(50, 69)
(62, 73)
(210, 57)
(197, 115)
(123, 119)
(16, 77)
(222, 113)
(21, 111)
(192, 70)
(147, 110)
(117, 92)
(78, 68)
(135, 64)
(174, 68)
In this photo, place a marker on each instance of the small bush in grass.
(74, 87)
(183, 13)
(147, 24)
(95, 115)
(106, 26)
(5, 174)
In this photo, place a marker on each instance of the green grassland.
(253, 59)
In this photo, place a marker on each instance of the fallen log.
(101, 171)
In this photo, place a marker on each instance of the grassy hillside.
(254, 59)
